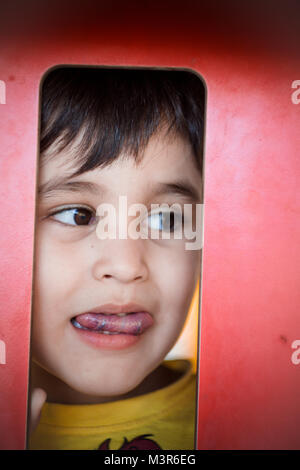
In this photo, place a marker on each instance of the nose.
(120, 260)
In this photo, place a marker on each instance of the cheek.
(180, 270)
(58, 271)
(178, 276)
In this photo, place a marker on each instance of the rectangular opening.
(118, 247)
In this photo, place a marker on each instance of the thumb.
(38, 398)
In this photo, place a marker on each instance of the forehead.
(166, 157)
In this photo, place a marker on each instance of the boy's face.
(76, 272)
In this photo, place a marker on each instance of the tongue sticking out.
(131, 324)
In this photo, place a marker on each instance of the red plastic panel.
(249, 385)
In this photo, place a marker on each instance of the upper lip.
(111, 308)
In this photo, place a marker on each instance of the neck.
(60, 392)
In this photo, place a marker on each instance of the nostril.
(119, 272)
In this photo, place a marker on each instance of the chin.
(113, 388)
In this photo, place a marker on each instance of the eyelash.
(69, 209)
(177, 217)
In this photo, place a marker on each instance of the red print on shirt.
(138, 443)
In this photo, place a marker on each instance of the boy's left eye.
(75, 216)
(165, 220)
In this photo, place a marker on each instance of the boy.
(107, 310)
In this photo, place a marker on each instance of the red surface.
(249, 387)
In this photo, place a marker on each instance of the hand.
(38, 398)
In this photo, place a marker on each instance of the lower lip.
(108, 342)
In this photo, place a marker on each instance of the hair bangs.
(107, 112)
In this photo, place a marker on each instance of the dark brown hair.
(118, 110)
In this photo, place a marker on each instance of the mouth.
(111, 319)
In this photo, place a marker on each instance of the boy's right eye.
(75, 216)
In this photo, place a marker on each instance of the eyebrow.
(63, 185)
(182, 188)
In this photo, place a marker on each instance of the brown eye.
(82, 216)
(75, 216)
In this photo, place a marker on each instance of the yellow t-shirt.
(163, 419)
